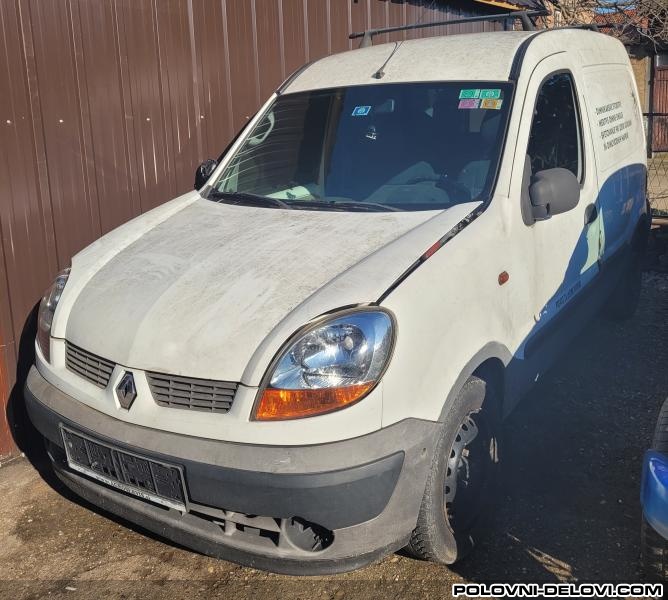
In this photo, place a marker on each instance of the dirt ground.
(569, 509)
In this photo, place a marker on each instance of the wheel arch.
(489, 363)
(641, 233)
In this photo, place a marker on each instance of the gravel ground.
(570, 507)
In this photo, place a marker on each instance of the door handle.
(591, 212)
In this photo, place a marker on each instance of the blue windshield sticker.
(361, 111)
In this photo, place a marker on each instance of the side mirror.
(204, 171)
(553, 191)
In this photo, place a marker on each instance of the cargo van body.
(303, 364)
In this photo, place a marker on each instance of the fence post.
(650, 111)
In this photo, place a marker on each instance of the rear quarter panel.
(618, 139)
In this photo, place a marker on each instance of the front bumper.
(241, 498)
(654, 491)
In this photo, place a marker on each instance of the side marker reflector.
(432, 250)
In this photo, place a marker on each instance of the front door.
(557, 258)
(566, 246)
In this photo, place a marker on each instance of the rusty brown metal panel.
(317, 30)
(7, 354)
(7, 367)
(269, 43)
(413, 13)
(27, 246)
(179, 119)
(359, 18)
(155, 174)
(294, 34)
(379, 17)
(431, 14)
(340, 25)
(106, 101)
(215, 91)
(396, 15)
(66, 136)
(25, 219)
(7, 359)
(243, 68)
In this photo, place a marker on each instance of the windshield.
(416, 146)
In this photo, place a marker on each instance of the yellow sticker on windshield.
(491, 103)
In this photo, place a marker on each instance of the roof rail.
(524, 16)
(585, 26)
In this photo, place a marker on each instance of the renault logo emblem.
(126, 391)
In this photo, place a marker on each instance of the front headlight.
(331, 365)
(47, 308)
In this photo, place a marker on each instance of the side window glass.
(555, 139)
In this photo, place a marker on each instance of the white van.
(303, 365)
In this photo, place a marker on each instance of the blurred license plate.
(132, 473)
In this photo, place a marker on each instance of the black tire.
(625, 298)
(653, 547)
(450, 522)
(653, 554)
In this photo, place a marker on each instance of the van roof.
(473, 56)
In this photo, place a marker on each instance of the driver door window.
(556, 136)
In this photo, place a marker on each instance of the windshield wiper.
(361, 205)
(257, 200)
(246, 198)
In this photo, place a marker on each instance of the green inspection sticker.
(490, 93)
(470, 93)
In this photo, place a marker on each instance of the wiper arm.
(372, 206)
(246, 198)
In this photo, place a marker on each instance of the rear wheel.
(461, 482)
(623, 302)
(653, 547)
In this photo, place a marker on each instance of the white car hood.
(197, 291)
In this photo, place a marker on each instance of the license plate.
(138, 475)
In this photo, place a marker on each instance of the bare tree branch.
(633, 21)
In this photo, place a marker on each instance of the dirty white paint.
(198, 292)
(474, 56)
(452, 307)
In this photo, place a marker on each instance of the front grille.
(95, 369)
(195, 394)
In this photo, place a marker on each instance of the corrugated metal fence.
(107, 106)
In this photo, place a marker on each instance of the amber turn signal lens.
(277, 405)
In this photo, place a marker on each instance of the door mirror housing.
(553, 191)
(204, 171)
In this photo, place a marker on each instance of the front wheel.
(461, 482)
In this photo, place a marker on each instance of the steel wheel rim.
(467, 471)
